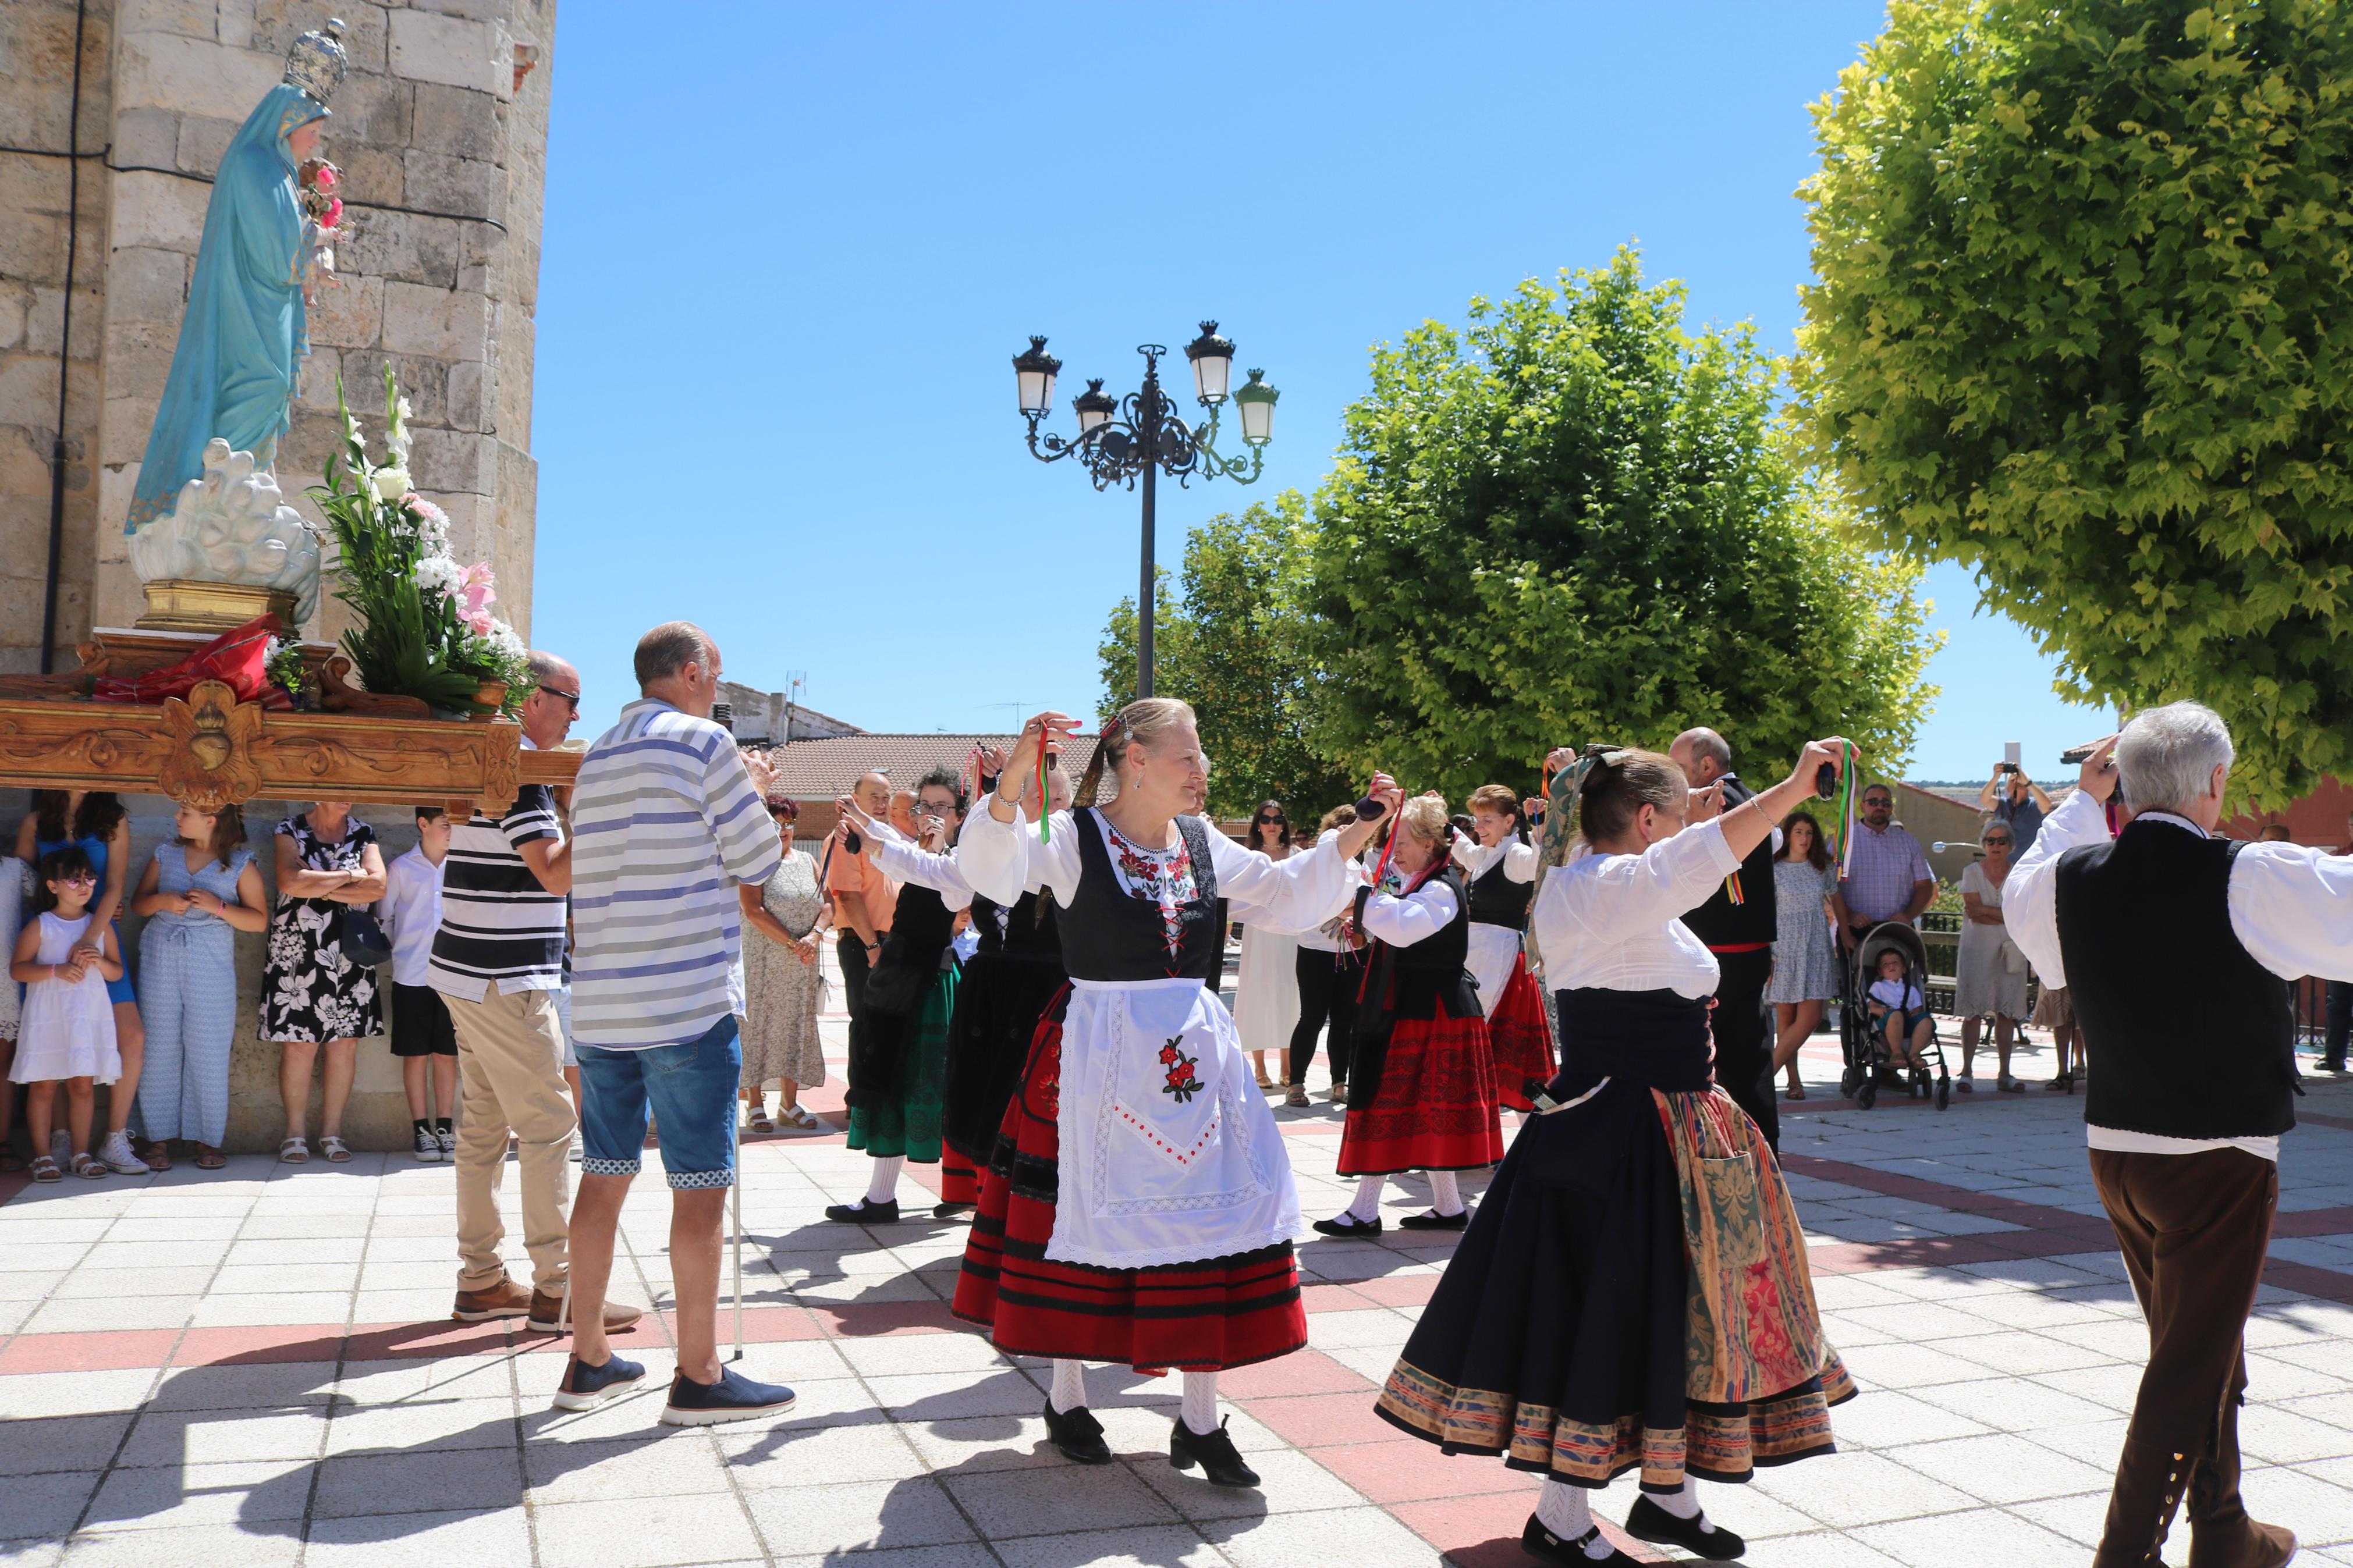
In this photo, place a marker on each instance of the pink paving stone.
(2326, 1283)
(399, 1342)
(1406, 1470)
(1301, 1372)
(2314, 1222)
(879, 1319)
(260, 1345)
(1334, 1298)
(1483, 1531)
(1399, 1289)
(761, 1325)
(115, 1349)
(1319, 1420)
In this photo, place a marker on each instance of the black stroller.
(1869, 1058)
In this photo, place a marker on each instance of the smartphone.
(2010, 755)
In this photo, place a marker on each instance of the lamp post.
(1142, 436)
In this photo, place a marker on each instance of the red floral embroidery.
(1183, 1082)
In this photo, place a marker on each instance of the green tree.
(2084, 322)
(1575, 521)
(1235, 648)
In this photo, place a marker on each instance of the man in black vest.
(2176, 947)
(1737, 925)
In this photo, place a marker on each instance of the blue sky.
(790, 250)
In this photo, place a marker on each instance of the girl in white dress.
(67, 1034)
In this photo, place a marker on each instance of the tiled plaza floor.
(255, 1367)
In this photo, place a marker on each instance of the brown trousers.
(510, 1075)
(2194, 1229)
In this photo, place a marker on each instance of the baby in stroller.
(1899, 1012)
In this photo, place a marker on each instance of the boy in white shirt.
(411, 913)
(1897, 1005)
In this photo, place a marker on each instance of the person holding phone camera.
(2177, 946)
(2010, 798)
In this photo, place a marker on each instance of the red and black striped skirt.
(959, 1181)
(1435, 1109)
(1518, 1040)
(1195, 1317)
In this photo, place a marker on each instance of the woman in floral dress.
(783, 983)
(311, 996)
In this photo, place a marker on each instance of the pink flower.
(333, 214)
(325, 178)
(474, 596)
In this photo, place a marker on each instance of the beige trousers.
(510, 1075)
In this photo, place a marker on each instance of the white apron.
(1492, 949)
(1169, 1155)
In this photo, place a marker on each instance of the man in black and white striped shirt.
(498, 962)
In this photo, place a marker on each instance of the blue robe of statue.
(240, 357)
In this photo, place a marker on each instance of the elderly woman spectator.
(311, 996)
(1992, 977)
(784, 985)
(1805, 962)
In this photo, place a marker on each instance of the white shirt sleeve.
(1470, 854)
(2030, 896)
(1420, 914)
(1671, 876)
(905, 862)
(1003, 861)
(1286, 896)
(2292, 908)
(1519, 861)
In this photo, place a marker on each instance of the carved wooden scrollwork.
(209, 762)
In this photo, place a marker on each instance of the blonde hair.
(1425, 817)
(1345, 816)
(1138, 724)
(1497, 798)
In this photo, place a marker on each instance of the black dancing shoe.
(1214, 1452)
(1538, 1541)
(953, 1211)
(865, 1211)
(1649, 1521)
(1077, 1434)
(1348, 1225)
(1433, 1220)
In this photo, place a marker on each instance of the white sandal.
(805, 1119)
(294, 1151)
(332, 1148)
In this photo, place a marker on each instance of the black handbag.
(362, 940)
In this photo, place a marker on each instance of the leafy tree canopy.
(2085, 322)
(1575, 520)
(1234, 648)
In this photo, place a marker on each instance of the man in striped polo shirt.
(671, 820)
(497, 960)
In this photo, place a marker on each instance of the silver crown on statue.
(317, 65)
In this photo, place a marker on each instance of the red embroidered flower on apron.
(1182, 1081)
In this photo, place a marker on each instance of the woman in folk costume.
(1634, 1292)
(898, 1042)
(1005, 987)
(1139, 1207)
(1421, 1084)
(1499, 865)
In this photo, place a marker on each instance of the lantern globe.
(1093, 406)
(1256, 402)
(1213, 364)
(1033, 373)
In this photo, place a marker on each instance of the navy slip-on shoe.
(585, 1387)
(733, 1398)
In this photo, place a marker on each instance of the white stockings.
(1367, 1205)
(1567, 1512)
(1069, 1390)
(1445, 1193)
(1198, 1409)
(884, 1186)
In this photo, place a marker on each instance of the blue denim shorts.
(691, 1089)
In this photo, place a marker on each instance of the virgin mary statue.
(206, 505)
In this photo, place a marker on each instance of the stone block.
(144, 284)
(516, 341)
(15, 302)
(472, 10)
(139, 356)
(28, 393)
(192, 76)
(148, 138)
(189, 18)
(472, 530)
(276, 23)
(348, 314)
(424, 382)
(469, 407)
(319, 373)
(34, 185)
(457, 461)
(440, 323)
(373, 177)
(306, 446)
(459, 187)
(456, 121)
(404, 248)
(376, 111)
(123, 425)
(452, 50)
(47, 322)
(159, 210)
(32, 247)
(203, 143)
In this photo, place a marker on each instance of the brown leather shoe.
(2247, 1543)
(504, 1300)
(545, 1311)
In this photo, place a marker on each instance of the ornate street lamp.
(1149, 438)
